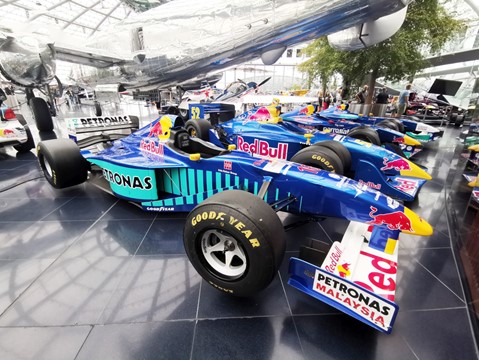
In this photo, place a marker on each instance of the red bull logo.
(344, 270)
(308, 168)
(261, 114)
(398, 164)
(7, 133)
(262, 148)
(156, 130)
(150, 146)
(395, 221)
(399, 140)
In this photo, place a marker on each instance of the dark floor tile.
(254, 338)
(164, 237)
(343, 337)
(160, 340)
(438, 335)
(418, 288)
(72, 291)
(437, 240)
(30, 209)
(16, 276)
(42, 240)
(153, 289)
(216, 304)
(81, 208)
(124, 210)
(42, 343)
(109, 238)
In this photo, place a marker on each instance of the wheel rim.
(48, 168)
(223, 254)
(192, 132)
(183, 112)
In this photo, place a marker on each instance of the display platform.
(84, 275)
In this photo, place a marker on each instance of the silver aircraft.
(186, 39)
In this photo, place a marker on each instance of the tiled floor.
(86, 276)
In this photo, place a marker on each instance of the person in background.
(361, 96)
(382, 97)
(403, 101)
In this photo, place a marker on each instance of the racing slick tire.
(395, 148)
(321, 158)
(98, 110)
(199, 128)
(340, 150)
(235, 241)
(399, 125)
(388, 124)
(41, 114)
(29, 144)
(62, 163)
(366, 134)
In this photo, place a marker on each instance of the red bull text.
(262, 148)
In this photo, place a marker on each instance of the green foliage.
(427, 28)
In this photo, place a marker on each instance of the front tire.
(366, 134)
(235, 241)
(41, 114)
(340, 150)
(62, 163)
(321, 158)
(199, 128)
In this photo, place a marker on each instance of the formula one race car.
(417, 130)
(14, 130)
(258, 132)
(232, 234)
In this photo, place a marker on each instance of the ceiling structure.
(84, 18)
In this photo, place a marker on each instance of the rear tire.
(366, 134)
(62, 163)
(235, 241)
(388, 124)
(399, 125)
(340, 150)
(199, 128)
(321, 158)
(184, 114)
(41, 114)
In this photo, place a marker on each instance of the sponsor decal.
(336, 130)
(395, 221)
(406, 185)
(260, 114)
(331, 262)
(370, 184)
(262, 148)
(231, 220)
(344, 271)
(334, 176)
(363, 143)
(133, 182)
(7, 133)
(100, 121)
(393, 204)
(150, 146)
(399, 140)
(228, 165)
(309, 169)
(398, 164)
(159, 208)
(368, 306)
(161, 129)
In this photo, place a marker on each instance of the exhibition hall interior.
(243, 180)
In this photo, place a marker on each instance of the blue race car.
(261, 133)
(417, 130)
(232, 234)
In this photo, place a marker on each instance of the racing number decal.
(195, 112)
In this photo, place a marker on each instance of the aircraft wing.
(86, 57)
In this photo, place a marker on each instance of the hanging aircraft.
(182, 40)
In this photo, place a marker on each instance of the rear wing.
(100, 129)
(357, 275)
